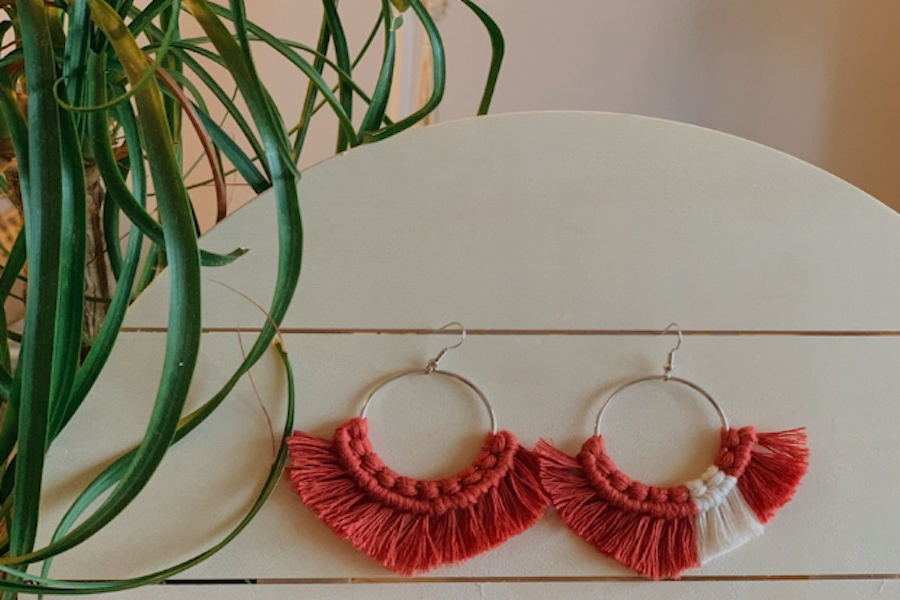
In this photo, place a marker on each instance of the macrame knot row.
(620, 490)
(355, 451)
(735, 450)
(711, 489)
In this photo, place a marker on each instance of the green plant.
(101, 102)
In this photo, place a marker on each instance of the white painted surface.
(843, 390)
(815, 78)
(582, 221)
(567, 221)
(769, 590)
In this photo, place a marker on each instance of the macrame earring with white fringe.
(661, 531)
(409, 525)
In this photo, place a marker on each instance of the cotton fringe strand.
(411, 526)
(660, 532)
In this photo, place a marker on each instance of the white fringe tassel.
(725, 521)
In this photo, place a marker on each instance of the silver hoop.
(426, 371)
(432, 368)
(666, 376)
(685, 382)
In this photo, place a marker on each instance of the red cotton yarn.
(648, 529)
(660, 532)
(409, 525)
(776, 464)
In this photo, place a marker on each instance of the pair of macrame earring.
(411, 526)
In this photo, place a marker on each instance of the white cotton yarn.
(725, 521)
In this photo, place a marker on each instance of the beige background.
(818, 79)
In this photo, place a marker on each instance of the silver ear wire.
(666, 376)
(432, 368)
(433, 363)
(670, 360)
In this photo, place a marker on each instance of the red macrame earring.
(411, 525)
(660, 532)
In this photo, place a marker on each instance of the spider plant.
(95, 96)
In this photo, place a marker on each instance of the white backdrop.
(563, 271)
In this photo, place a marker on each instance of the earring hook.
(670, 360)
(433, 363)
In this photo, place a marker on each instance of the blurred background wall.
(818, 79)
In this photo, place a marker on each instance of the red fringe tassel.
(653, 543)
(777, 463)
(412, 535)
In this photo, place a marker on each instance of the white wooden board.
(568, 221)
(843, 520)
(757, 590)
(532, 228)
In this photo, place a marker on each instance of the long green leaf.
(109, 330)
(117, 188)
(290, 230)
(42, 224)
(170, 64)
(439, 81)
(146, 77)
(180, 49)
(78, 37)
(183, 338)
(228, 104)
(109, 477)
(14, 263)
(9, 431)
(275, 149)
(311, 90)
(233, 152)
(497, 50)
(258, 34)
(70, 303)
(5, 360)
(285, 48)
(149, 271)
(344, 120)
(375, 113)
(342, 55)
(146, 15)
(111, 235)
(284, 177)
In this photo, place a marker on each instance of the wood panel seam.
(544, 332)
(523, 579)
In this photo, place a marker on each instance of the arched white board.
(562, 240)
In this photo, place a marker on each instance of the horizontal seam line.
(543, 332)
(563, 579)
